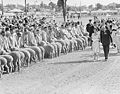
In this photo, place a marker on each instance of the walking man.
(105, 39)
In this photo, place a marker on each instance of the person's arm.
(32, 40)
(16, 44)
(100, 36)
(109, 34)
(87, 27)
(6, 46)
(92, 28)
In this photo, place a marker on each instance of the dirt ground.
(74, 73)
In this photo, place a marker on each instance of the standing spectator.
(90, 30)
(78, 16)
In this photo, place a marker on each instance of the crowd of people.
(105, 31)
(27, 39)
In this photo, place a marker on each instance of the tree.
(117, 5)
(20, 6)
(41, 4)
(52, 5)
(112, 5)
(84, 7)
(0, 6)
(90, 7)
(62, 3)
(99, 6)
(68, 8)
(10, 6)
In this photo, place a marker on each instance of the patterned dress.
(96, 43)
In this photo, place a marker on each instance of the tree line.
(58, 6)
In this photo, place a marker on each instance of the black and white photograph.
(59, 46)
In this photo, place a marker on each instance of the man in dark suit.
(105, 38)
(90, 30)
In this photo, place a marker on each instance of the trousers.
(106, 50)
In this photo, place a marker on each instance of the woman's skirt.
(96, 47)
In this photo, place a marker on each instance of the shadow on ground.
(86, 61)
(101, 55)
(76, 62)
(110, 54)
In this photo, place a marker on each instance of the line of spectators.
(34, 36)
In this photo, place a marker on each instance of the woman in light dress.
(118, 39)
(96, 42)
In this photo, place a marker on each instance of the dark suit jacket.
(105, 37)
(90, 28)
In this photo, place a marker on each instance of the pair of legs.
(118, 50)
(96, 56)
(90, 39)
(106, 51)
(118, 47)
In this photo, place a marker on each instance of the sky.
(69, 2)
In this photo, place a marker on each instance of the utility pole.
(64, 10)
(80, 8)
(35, 5)
(2, 7)
(25, 7)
